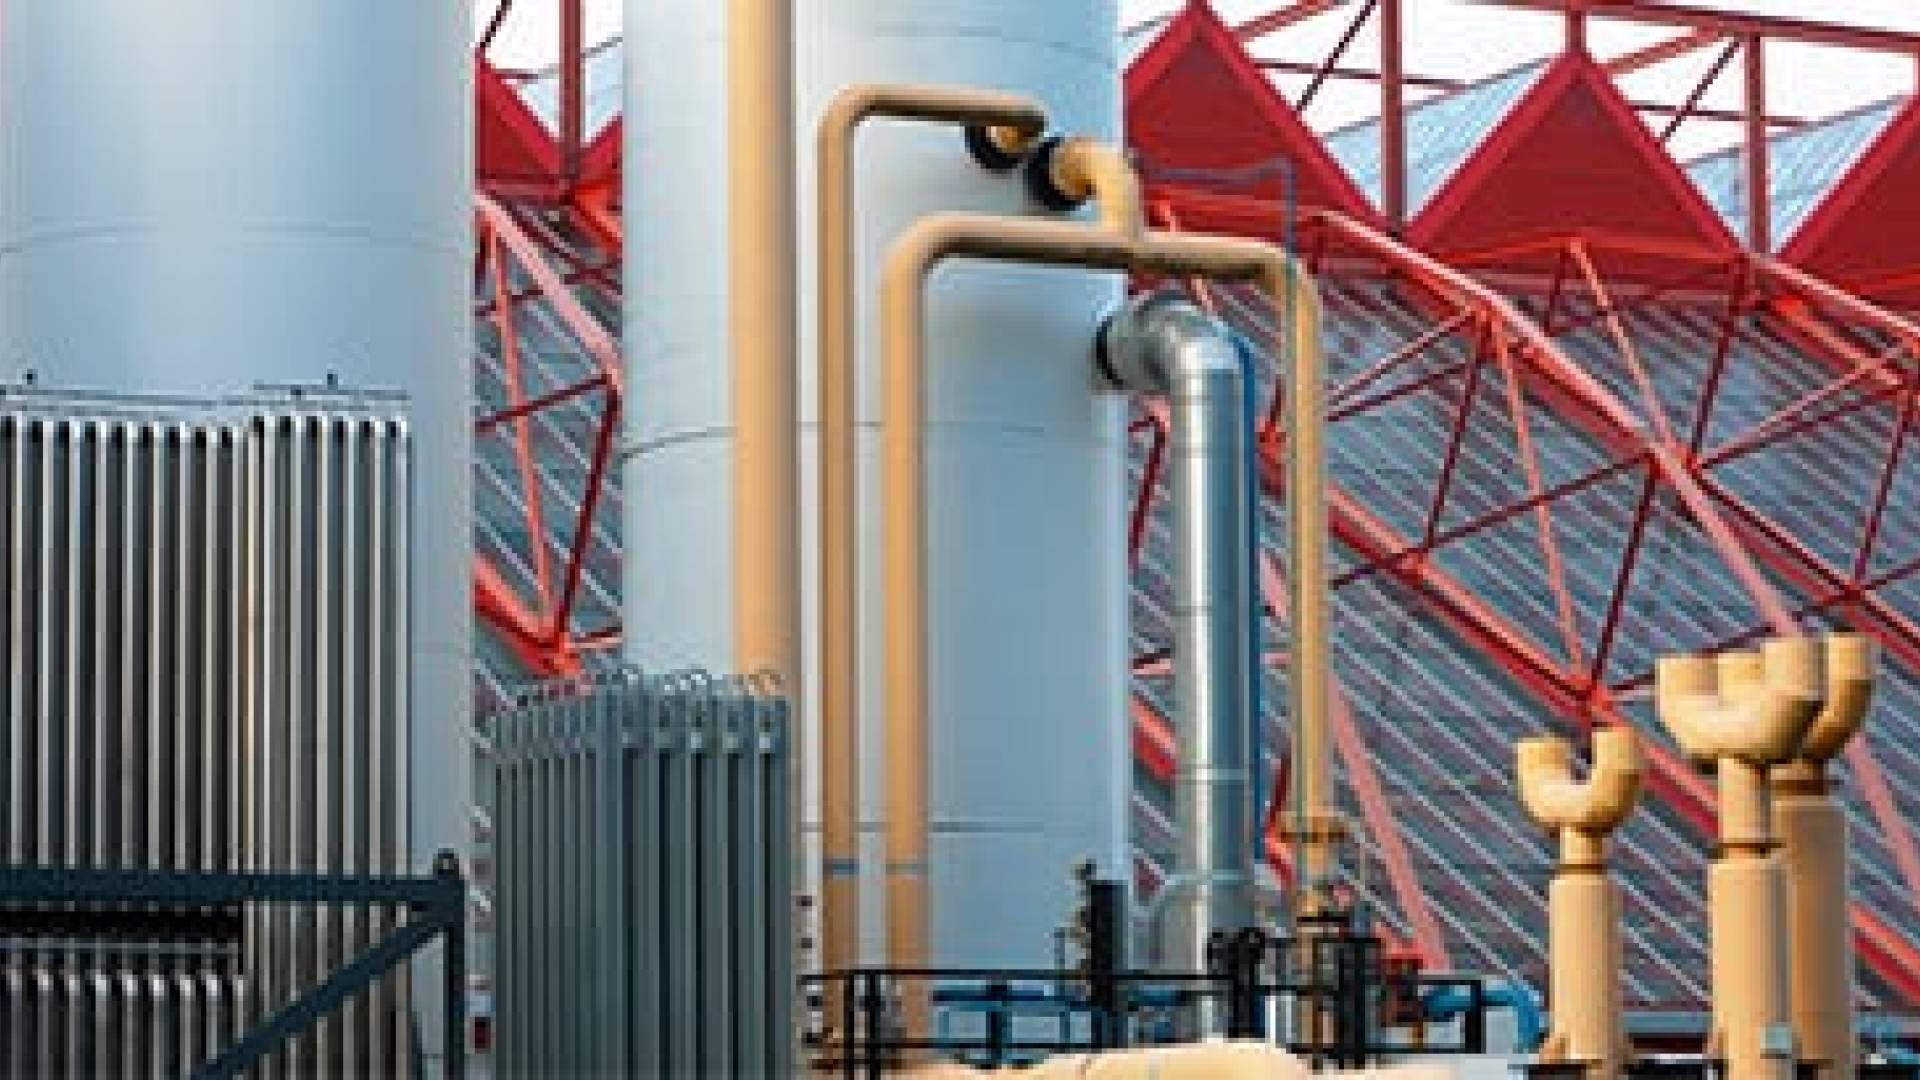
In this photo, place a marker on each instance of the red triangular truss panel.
(1197, 101)
(513, 150)
(1866, 233)
(1572, 158)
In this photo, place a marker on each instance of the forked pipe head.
(1596, 805)
(1755, 707)
(1850, 668)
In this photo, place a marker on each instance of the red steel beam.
(1393, 116)
(1280, 19)
(573, 124)
(1776, 27)
(1754, 148)
(1662, 51)
(1448, 86)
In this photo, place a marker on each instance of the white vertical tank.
(1028, 756)
(201, 196)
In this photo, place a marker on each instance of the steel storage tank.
(1027, 570)
(204, 196)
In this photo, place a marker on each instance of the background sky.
(1456, 39)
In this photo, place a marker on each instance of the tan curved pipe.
(1597, 804)
(1091, 171)
(1585, 957)
(1754, 707)
(1016, 122)
(1812, 828)
(942, 237)
(1850, 661)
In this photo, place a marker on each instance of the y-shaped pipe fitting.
(1813, 842)
(1748, 712)
(1583, 902)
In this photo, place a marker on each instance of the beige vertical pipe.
(1583, 902)
(1748, 712)
(1813, 841)
(1015, 122)
(762, 261)
(927, 244)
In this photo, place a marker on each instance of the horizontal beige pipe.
(944, 237)
(1016, 123)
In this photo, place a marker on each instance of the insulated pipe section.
(1164, 345)
(1001, 130)
(1583, 902)
(1748, 712)
(942, 237)
(1813, 840)
(762, 264)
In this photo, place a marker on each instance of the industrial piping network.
(1078, 170)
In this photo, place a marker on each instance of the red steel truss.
(1603, 367)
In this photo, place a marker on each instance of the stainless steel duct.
(1162, 344)
(203, 666)
(644, 843)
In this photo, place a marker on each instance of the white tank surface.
(1028, 754)
(199, 197)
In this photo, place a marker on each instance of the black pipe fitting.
(987, 152)
(1041, 183)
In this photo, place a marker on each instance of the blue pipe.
(1450, 1002)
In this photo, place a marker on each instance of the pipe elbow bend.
(1753, 706)
(1066, 173)
(1597, 805)
(1850, 661)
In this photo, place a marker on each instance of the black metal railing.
(37, 901)
(1328, 997)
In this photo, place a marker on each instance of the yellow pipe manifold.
(1117, 242)
(1014, 123)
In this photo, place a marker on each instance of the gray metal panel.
(1803, 166)
(1442, 132)
(644, 871)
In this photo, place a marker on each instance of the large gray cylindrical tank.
(1028, 752)
(203, 196)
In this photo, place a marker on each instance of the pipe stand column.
(1747, 712)
(1583, 901)
(1812, 828)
